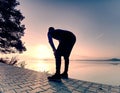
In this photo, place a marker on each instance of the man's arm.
(51, 42)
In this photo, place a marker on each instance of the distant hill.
(114, 59)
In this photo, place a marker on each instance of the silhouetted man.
(66, 41)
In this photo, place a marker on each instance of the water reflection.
(41, 65)
(100, 72)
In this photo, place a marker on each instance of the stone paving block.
(4, 84)
(74, 91)
(79, 82)
(64, 80)
(70, 88)
(81, 89)
(9, 91)
(19, 90)
(95, 85)
(86, 85)
(35, 86)
(8, 88)
(93, 89)
(45, 83)
(75, 85)
(63, 90)
(102, 91)
(1, 89)
(49, 91)
(25, 85)
(37, 90)
(74, 80)
(46, 87)
(13, 84)
(11, 87)
(69, 82)
(35, 82)
(115, 89)
(17, 84)
(90, 91)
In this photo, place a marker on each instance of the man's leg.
(56, 76)
(65, 73)
(67, 51)
(58, 63)
(66, 65)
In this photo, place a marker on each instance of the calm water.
(100, 72)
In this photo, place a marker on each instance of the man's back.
(61, 35)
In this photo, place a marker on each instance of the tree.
(11, 29)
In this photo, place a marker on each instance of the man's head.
(51, 29)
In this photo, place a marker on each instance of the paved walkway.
(17, 80)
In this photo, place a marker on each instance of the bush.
(13, 61)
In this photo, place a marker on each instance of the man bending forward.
(66, 42)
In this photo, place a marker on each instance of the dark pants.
(64, 49)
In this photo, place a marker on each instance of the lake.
(106, 72)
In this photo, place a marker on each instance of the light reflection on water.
(105, 72)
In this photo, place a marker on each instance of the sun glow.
(43, 52)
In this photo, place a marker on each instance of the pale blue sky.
(96, 24)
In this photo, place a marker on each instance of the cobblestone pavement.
(18, 80)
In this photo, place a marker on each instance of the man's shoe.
(55, 77)
(64, 76)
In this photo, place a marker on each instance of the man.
(66, 42)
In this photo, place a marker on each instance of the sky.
(96, 24)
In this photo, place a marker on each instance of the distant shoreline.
(113, 59)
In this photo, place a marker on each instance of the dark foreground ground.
(18, 80)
